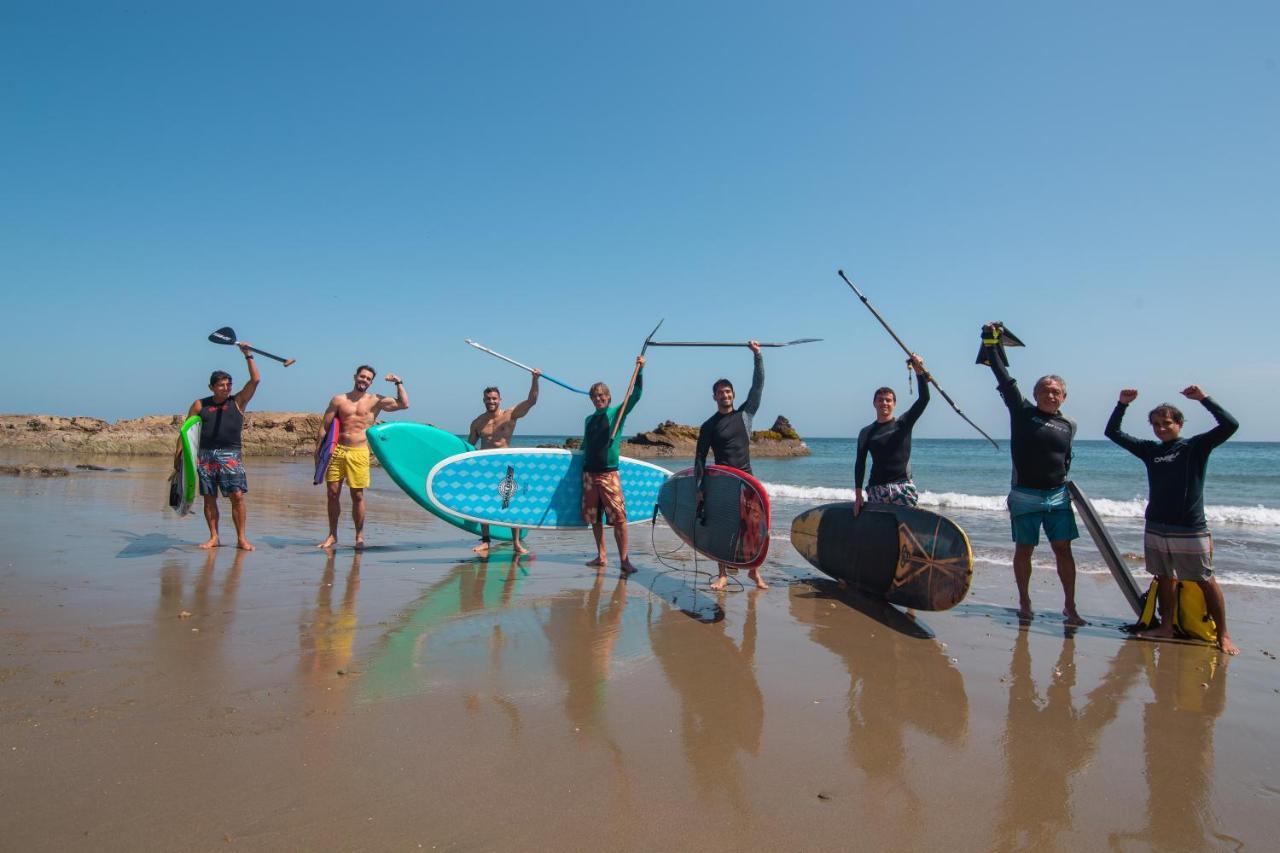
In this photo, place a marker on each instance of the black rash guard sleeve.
(700, 455)
(860, 462)
(917, 408)
(1226, 427)
(752, 403)
(1134, 445)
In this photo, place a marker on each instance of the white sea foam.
(1259, 516)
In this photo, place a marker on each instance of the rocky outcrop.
(265, 434)
(681, 440)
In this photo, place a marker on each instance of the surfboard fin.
(1002, 337)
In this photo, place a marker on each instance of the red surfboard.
(733, 527)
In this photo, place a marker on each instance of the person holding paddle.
(492, 431)
(356, 411)
(888, 440)
(601, 485)
(727, 434)
(221, 466)
(1176, 541)
(1040, 439)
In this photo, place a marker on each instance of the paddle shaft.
(622, 408)
(483, 348)
(729, 343)
(907, 350)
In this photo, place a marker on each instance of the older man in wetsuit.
(220, 465)
(727, 434)
(356, 411)
(1040, 438)
(492, 431)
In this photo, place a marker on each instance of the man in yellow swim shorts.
(356, 411)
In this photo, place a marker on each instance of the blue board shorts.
(221, 469)
(1031, 509)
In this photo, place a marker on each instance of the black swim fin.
(995, 335)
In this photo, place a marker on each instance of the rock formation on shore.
(294, 434)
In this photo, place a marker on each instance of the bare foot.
(244, 545)
(1073, 619)
(720, 582)
(211, 542)
(518, 547)
(754, 575)
(1025, 613)
(1162, 633)
(598, 563)
(1226, 646)
(328, 542)
(626, 567)
(483, 547)
(359, 543)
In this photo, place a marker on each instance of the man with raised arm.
(356, 411)
(492, 431)
(220, 465)
(888, 440)
(1177, 542)
(1040, 438)
(727, 434)
(601, 485)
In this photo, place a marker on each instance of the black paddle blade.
(225, 335)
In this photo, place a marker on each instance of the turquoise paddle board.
(188, 474)
(408, 452)
(534, 487)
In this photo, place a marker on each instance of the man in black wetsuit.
(1177, 542)
(220, 466)
(727, 434)
(888, 440)
(1040, 439)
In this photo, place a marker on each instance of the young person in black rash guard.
(221, 465)
(888, 440)
(1177, 542)
(727, 434)
(1040, 439)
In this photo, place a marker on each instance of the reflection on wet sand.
(327, 638)
(1189, 683)
(583, 637)
(898, 676)
(1037, 797)
(190, 646)
(721, 706)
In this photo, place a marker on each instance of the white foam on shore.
(1255, 516)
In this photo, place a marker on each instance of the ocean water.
(968, 480)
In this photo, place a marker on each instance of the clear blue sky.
(375, 182)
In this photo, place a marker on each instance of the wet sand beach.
(156, 696)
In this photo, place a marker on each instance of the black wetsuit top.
(1040, 443)
(220, 424)
(1175, 469)
(890, 445)
(729, 436)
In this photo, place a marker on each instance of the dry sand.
(414, 697)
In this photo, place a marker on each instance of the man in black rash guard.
(221, 466)
(888, 440)
(727, 434)
(1040, 439)
(1177, 542)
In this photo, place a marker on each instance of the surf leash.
(908, 351)
(545, 376)
(227, 335)
(730, 343)
(632, 384)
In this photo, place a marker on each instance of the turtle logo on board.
(508, 487)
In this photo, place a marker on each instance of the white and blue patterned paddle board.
(534, 487)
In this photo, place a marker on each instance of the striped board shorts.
(901, 493)
(1184, 553)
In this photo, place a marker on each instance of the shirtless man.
(493, 431)
(356, 411)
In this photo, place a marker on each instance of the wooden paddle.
(227, 335)
(632, 384)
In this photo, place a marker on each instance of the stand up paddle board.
(408, 452)
(326, 450)
(535, 487)
(734, 527)
(188, 478)
(1106, 547)
(908, 556)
